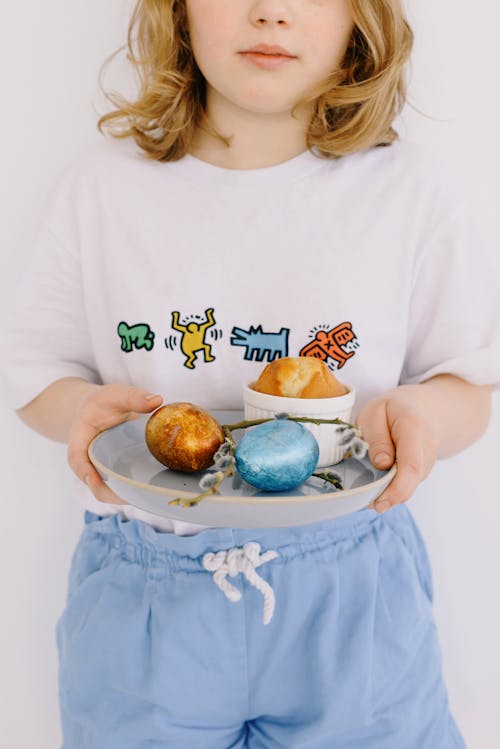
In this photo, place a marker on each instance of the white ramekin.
(263, 406)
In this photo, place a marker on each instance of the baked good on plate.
(299, 377)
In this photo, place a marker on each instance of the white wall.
(50, 56)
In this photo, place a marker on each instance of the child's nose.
(270, 12)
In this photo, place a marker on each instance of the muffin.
(300, 377)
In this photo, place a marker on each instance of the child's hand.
(102, 407)
(396, 430)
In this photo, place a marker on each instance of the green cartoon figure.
(138, 336)
(193, 338)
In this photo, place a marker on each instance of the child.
(258, 186)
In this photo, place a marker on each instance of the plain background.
(50, 58)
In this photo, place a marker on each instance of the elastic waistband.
(142, 542)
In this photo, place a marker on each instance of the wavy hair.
(353, 109)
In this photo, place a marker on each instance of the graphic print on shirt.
(135, 336)
(334, 346)
(194, 335)
(258, 343)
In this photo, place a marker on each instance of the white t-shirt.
(187, 279)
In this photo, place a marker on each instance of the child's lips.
(267, 60)
(268, 56)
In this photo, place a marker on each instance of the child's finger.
(78, 457)
(113, 405)
(378, 435)
(100, 490)
(126, 398)
(411, 470)
(80, 465)
(77, 452)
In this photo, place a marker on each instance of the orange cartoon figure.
(328, 344)
(193, 338)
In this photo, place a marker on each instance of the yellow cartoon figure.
(193, 338)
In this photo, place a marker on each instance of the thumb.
(375, 430)
(129, 398)
(146, 401)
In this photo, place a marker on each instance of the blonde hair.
(353, 110)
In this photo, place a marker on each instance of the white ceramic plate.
(122, 458)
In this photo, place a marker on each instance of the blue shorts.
(318, 637)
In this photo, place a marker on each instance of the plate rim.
(232, 499)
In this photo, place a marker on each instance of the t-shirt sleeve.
(44, 331)
(454, 315)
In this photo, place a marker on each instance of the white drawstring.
(245, 560)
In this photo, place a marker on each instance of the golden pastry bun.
(299, 377)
